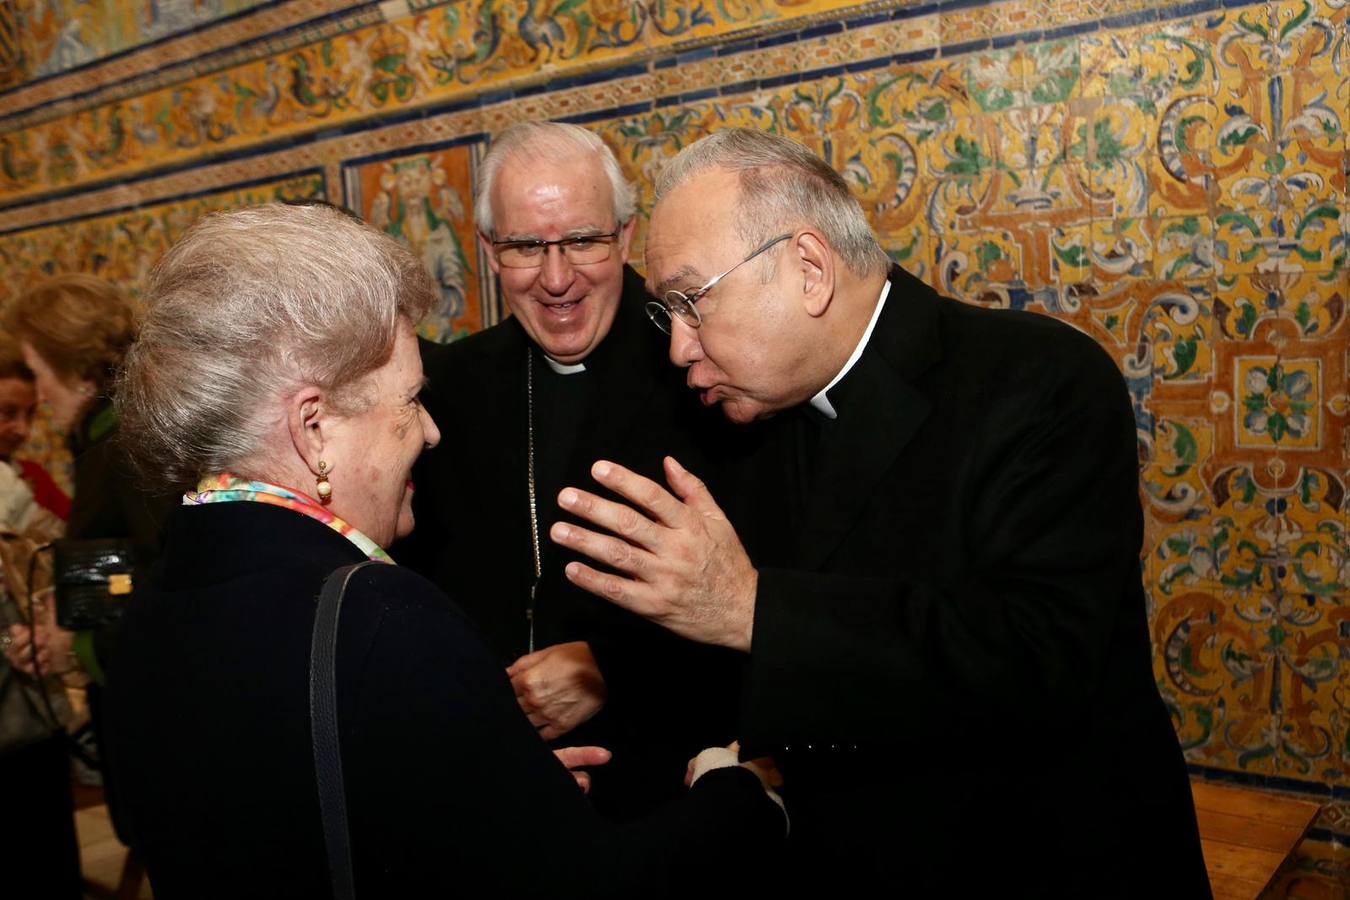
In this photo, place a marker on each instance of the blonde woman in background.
(38, 825)
(73, 332)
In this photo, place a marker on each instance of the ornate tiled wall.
(1171, 179)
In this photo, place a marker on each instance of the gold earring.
(325, 489)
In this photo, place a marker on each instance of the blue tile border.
(178, 198)
(968, 47)
(876, 19)
(1072, 30)
(821, 30)
(1317, 789)
(914, 12)
(599, 115)
(1001, 41)
(412, 150)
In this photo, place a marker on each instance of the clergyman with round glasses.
(948, 654)
(575, 374)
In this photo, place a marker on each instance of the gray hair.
(247, 307)
(783, 186)
(556, 142)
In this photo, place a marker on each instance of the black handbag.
(93, 580)
(324, 727)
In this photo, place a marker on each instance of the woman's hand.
(558, 687)
(53, 645)
(574, 757)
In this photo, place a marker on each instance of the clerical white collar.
(822, 402)
(563, 369)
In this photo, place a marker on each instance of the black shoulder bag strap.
(323, 714)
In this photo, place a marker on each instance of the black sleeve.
(457, 789)
(1053, 527)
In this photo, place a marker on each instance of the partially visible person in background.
(37, 827)
(73, 332)
(18, 402)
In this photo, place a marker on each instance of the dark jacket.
(950, 652)
(450, 791)
(668, 698)
(110, 501)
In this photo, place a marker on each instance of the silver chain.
(529, 480)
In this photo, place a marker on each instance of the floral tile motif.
(1280, 402)
(1282, 35)
(1185, 247)
(1122, 248)
(1311, 306)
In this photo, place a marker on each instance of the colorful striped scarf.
(225, 488)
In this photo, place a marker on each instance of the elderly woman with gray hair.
(277, 375)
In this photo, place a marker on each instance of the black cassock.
(951, 656)
(668, 698)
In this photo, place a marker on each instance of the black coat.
(668, 698)
(952, 659)
(450, 791)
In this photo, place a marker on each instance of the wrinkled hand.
(558, 687)
(573, 758)
(685, 566)
(53, 649)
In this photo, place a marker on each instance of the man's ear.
(306, 418)
(626, 232)
(486, 243)
(814, 262)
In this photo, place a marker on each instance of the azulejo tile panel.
(425, 201)
(122, 246)
(53, 36)
(446, 54)
(1170, 181)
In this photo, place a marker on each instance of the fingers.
(526, 662)
(691, 489)
(571, 757)
(611, 551)
(616, 518)
(625, 592)
(647, 494)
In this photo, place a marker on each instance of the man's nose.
(685, 349)
(556, 273)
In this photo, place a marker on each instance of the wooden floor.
(1247, 835)
(101, 855)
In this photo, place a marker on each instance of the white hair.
(248, 306)
(556, 142)
(783, 186)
